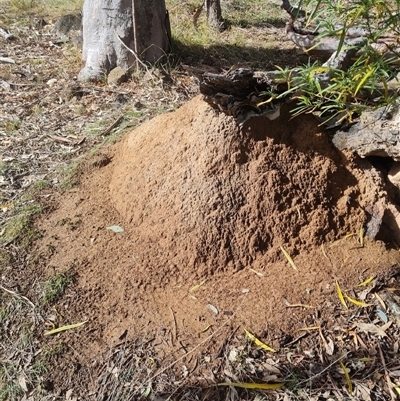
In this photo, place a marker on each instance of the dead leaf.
(22, 382)
(257, 273)
(255, 386)
(347, 376)
(371, 329)
(289, 259)
(197, 286)
(356, 302)
(213, 309)
(115, 229)
(381, 301)
(362, 392)
(366, 282)
(207, 328)
(340, 295)
(271, 369)
(68, 394)
(258, 342)
(64, 328)
(386, 325)
(329, 345)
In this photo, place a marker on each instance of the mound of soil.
(203, 196)
(205, 208)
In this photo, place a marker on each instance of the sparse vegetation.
(364, 84)
(52, 8)
(55, 286)
(245, 42)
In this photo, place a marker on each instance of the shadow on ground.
(226, 56)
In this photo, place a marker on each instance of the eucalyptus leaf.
(115, 229)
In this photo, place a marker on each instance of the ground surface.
(205, 208)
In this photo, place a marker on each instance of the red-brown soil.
(203, 203)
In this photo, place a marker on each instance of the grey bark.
(152, 30)
(102, 51)
(109, 28)
(377, 134)
(214, 14)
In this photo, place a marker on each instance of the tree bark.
(109, 28)
(214, 14)
(376, 134)
(152, 30)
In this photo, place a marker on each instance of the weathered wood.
(6, 35)
(376, 134)
(243, 93)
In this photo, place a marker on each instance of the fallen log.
(6, 35)
(244, 93)
(376, 134)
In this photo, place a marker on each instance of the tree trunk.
(112, 27)
(214, 14)
(151, 30)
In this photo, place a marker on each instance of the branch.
(6, 35)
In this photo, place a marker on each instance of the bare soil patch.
(205, 208)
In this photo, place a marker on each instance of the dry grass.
(43, 8)
(252, 38)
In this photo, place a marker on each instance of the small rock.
(39, 22)
(117, 76)
(394, 174)
(67, 23)
(51, 82)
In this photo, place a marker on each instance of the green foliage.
(9, 387)
(19, 228)
(364, 84)
(56, 285)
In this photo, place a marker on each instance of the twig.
(112, 126)
(296, 339)
(387, 377)
(7, 60)
(198, 345)
(15, 294)
(61, 139)
(324, 370)
(127, 48)
(289, 305)
(196, 15)
(175, 329)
